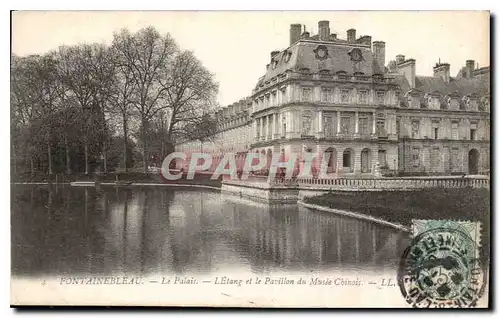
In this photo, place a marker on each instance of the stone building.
(336, 98)
(233, 134)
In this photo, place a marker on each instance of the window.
(454, 130)
(345, 124)
(363, 126)
(346, 158)
(306, 124)
(326, 95)
(380, 97)
(416, 157)
(344, 95)
(436, 132)
(472, 134)
(328, 126)
(306, 94)
(381, 128)
(415, 128)
(382, 158)
(363, 97)
(454, 158)
(398, 127)
(283, 96)
(435, 157)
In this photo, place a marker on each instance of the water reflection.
(65, 230)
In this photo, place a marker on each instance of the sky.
(236, 45)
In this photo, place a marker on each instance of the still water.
(63, 230)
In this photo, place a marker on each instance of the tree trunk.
(86, 156)
(145, 147)
(105, 158)
(68, 162)
(50, 158)
(125, 143)
(32, 165)
(14, 160)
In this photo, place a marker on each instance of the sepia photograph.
(250, 159)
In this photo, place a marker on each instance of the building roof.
(302, 55)
(479, 84)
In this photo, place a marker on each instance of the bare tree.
(34, 96)
(84, 81)
(147, 56)
(122, 90)
(190, 96)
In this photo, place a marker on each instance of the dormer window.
(274, 63)
(286, 56)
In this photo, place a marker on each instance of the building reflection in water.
(153, 230)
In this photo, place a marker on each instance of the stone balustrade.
(405, 183)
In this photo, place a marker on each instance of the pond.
(64, 230)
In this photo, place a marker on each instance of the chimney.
(333, 37)
(400, 58)
(324, 30)
(442, 70)
(273, 53)
(295, 30)
(470, 66)
(365, 39)
(379, 53)
(407, 68)
(351, 35)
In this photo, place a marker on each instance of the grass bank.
(467, 204)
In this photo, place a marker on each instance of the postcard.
(279, 159)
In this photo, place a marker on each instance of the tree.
(83, 73)
(190, 96)
(34, 99)
(146, 56)
(123, 87)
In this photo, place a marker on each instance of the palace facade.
(337, 97)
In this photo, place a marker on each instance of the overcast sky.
(236, 46)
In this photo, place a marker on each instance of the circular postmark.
(441, 269)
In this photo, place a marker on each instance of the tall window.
(364, 129)
(454, 130)
(380, 97)
(436, 132)
(326, 95)
(328, 126)
(283, 120)
(306, 124)
(283, 96)
(398, 128)
(363, 97)
(382, 158)
(454, 158)
(472, 134)
(306, 94)
(435, 157)
(345, 125)
(344, 95)
(415, 128)
(416, 157)
(381, 132)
